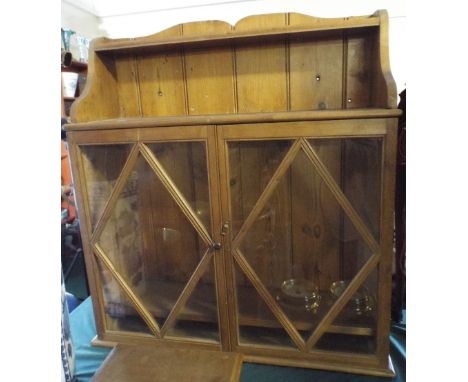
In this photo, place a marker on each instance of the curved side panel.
(385, 91)
(99, 98)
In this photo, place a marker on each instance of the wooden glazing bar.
(267, 192)
(175, 193)
(137, 303)
(269, 300)
(340, 197)
(340, 303)
(119, 184)
(187, 291)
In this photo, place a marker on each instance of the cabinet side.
(99, 100)
(384, 91)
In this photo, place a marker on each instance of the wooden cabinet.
(235, 188)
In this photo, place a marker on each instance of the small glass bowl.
(301, 292)
(360, 303)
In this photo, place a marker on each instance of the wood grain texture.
(312, 26)
(97, 129)
(358, 71)
(261, 70)
(128, 86)
(315, 69)
(209, 72)
(99, 99)
(384, 90)
(161, 80)
(128, 363)
(173, 73)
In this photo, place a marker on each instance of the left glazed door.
(149, 216)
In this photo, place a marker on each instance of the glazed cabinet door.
(150, 212)
(306, 263)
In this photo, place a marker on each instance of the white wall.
(81, 21)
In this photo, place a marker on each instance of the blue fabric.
(89, 358)
(66, 346)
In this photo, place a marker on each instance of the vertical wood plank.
(261, 70)
(127, 86)
(358, 77)
(316, 70)
(209, 72)
(161, 80)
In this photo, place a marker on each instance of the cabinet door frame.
(138, 137)
(297, 132)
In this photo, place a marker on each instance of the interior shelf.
(159, 297)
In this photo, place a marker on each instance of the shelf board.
(213, 119)
(159, 297)
(76, 66)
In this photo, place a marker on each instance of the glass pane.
(102, 166)
(354, 330)
(186, 164)
(119, 311)
(257, 324)
(199, 317)
(356, 165)
(150, 242)
(251, 166)
(301, 243)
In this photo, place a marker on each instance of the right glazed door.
(303, 202)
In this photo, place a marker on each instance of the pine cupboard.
(235, 189)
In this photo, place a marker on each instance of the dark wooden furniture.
(235, 186)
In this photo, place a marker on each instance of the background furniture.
(236, 189)
(75, 67)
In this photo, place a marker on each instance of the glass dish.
(300, 292)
